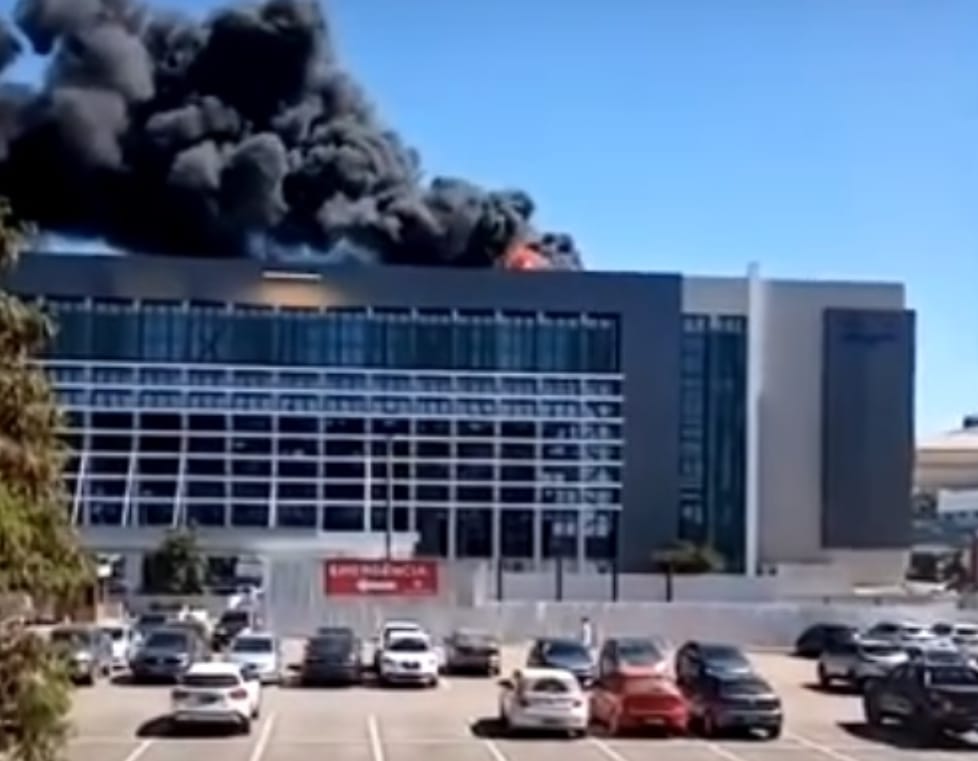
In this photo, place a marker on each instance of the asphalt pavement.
(119, 722)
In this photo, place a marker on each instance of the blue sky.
(821, 139)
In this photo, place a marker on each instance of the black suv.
(926, 698)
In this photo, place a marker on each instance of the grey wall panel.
(867, 427)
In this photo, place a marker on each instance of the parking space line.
(494, 751)
(606, 750)
(263, 738)
(825, 750)
(139, 750)
(724, 753)
(376, 746)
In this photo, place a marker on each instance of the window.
(473, 533)
(432, 528)
(516, 533)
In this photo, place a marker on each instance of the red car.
(623, 701)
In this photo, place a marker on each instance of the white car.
(216, 693)
(409, 658)
(124, 642)
(545, 700)
(260, 652)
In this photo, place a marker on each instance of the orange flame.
(522, 257)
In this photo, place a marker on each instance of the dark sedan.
(567, 654)
(470, 651)
(166, 654)
(331, 658)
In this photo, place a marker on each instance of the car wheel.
(873, 716)
(774, 733)
(245, 727)
(613, 725)
(823, 678)
(926, 734)
(709, 728)
(577, 734)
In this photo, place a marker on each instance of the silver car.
(853, 662)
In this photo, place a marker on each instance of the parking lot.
(119, 722)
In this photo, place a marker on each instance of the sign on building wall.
(349, 577)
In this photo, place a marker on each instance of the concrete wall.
(791, 410)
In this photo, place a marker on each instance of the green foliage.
(688, 558)
(177, 567)
(40, 557)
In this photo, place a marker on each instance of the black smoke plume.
(238, 136)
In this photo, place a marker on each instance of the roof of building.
(960, 439)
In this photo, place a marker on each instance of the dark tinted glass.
(565, 649)
(744, 687)
(408, 645)
(168, 640)
(724, 653)
(949, 676)
(638, 652)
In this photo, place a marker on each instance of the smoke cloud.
(238, 136)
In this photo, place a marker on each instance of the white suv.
(217, 693)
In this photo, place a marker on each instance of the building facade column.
(756, 317)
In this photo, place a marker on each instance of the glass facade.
(492, 434)
(713, 431)
(198, 333)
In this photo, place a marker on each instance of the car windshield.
(566, 650)
(941, 657)
(723, 654)
(550, 685)
(235, 618)
(950, 676)
(638, 652)
(115, 632)
(965, 632)
(252, 645)
(160, 640)
(744, 687)
(331, 645)
(885, 629)
(912, 630)
(474, 639)
(880, 649)
(942, 630)
(408, 645)
(71, 637)
(647, 686)
(152, 619)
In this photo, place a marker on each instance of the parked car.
(216, 693)
(722, 702)
(409, 658)
(632, 656)
(852, 663)
(965, 636)
(901, 632)
(622, 701)
(87, 651)
(389, 628)
(543, 699)
(563, 654)
(166, 654)
(331, 657)
(259, 651)
(470, 650)
(123, 642)
(695, 660)
(813, 641)
(231, 624)
(926, 699)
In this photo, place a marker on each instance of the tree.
(177, 566)
(688, 558)
(41, 561)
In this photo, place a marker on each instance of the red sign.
(396, 578)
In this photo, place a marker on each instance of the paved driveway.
(452, 723)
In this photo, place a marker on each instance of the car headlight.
(388, 662)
